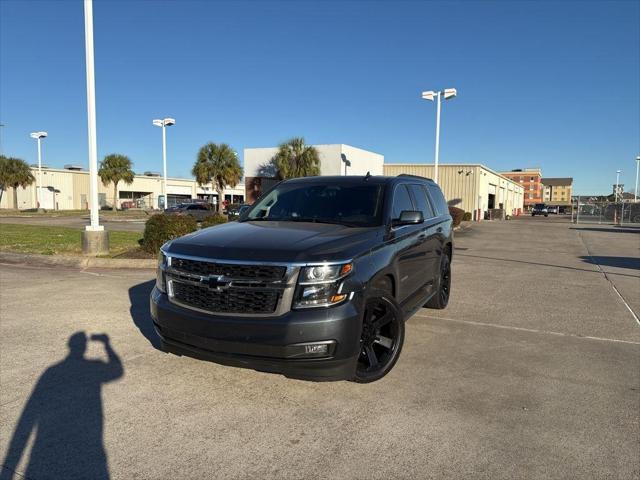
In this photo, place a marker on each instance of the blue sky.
(548, 84)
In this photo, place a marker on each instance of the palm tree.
(115, 168)
(295, 159)
(14, 173)
(218, 165)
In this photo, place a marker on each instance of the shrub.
(213, 220)
(161, 228)
(466, 217)
(457, 214)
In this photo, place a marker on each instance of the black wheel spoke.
(383, 320)
(371, 356)
(386, 342)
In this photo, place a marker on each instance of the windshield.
(357, 205)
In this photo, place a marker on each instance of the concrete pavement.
(533, 371)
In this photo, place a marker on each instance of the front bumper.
(265, 343)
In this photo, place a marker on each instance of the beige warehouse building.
(68, 189)
(472, 187)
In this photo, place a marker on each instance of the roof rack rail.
(413, 176)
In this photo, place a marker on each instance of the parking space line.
(606, 276)
(522, 329)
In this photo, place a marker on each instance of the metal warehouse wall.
(458, 182)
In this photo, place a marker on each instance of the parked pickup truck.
(315, 280)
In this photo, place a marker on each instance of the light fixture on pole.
(447, 93)
(346, 162)
(635, 195)
(95, 240)
(39, 136)
(618, 172)
(166, 122)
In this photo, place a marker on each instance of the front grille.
(258, 272)
(231, 300)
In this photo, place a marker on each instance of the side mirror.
(409, 217)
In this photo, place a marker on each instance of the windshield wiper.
(321, 220)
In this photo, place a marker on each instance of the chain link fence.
(586, 210)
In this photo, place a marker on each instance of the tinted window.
(439, 202)
(353, 205)
(422, 203)
(401, 201)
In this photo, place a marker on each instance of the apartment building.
(557, 191)
(531, 181)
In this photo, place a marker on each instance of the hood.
(278, 242)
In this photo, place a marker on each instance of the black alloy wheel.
(440, 298)
(381, 339)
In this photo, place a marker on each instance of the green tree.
(14, 173)
(295, 159)
(116, 168)
(218, 165)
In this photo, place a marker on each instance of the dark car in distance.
(197, 210)
(234, 210)
(539, 209)
(315, 280)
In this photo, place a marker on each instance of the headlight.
(162, 265)
(321, 286)
(324, 273)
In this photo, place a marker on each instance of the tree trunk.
(115, 197)
(220, 200)
(15, 197)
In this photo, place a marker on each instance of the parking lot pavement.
(532, 372)
(79, 221)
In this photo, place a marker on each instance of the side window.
(422, 202)
(401, 201)
(439, 202)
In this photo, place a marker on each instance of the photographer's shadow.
(64, 416)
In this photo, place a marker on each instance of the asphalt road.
(532, 372)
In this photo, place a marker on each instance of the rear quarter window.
(438, 200)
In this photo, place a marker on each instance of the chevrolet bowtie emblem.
(215, 282)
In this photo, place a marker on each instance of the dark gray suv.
(315, 280)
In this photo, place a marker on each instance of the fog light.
(312, 349)
(316, 349)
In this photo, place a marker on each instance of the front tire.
(440, 299)
(381, 339)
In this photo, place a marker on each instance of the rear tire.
(440, 299)
(381, 338)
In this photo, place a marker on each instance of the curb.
(76, 262)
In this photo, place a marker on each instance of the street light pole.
(39, 136)
(164, 161)
(430, 95)
(95, 240)
(437, 152)
(1, 127)
(164, 123)
(91, 118)
(635, 192)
